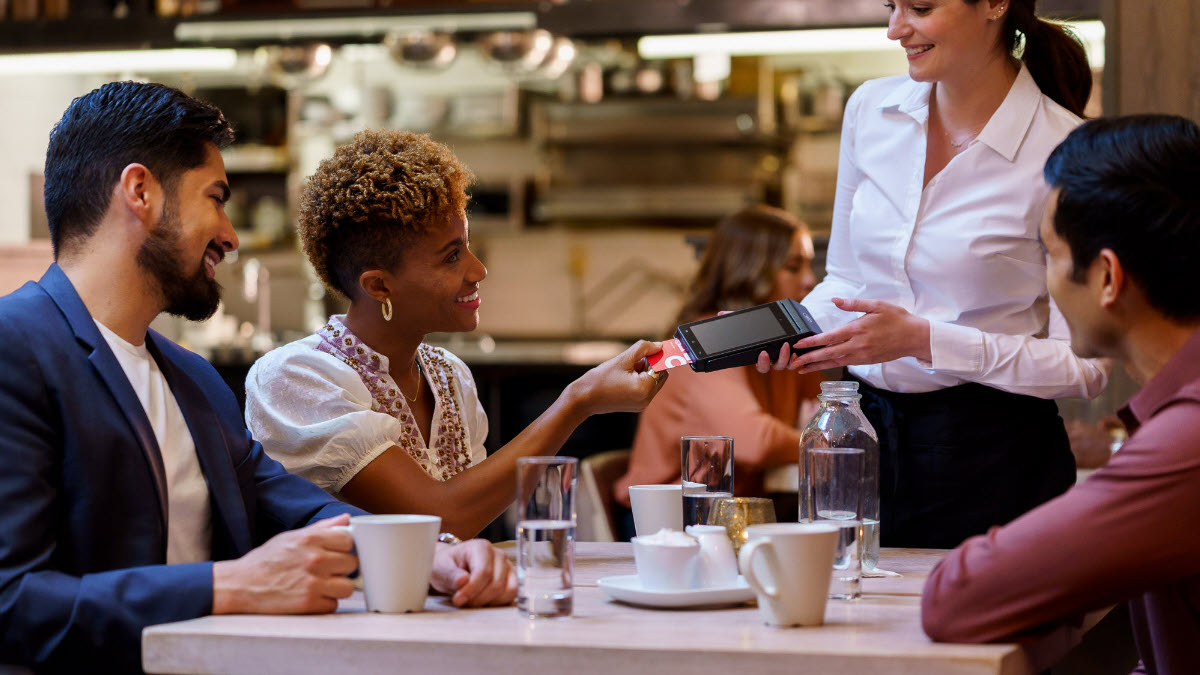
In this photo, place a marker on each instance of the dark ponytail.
(1054, 55)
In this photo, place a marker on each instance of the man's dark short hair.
(119, 124)
(1132, 185)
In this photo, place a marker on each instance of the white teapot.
(716, 564)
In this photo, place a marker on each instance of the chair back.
(594, 505)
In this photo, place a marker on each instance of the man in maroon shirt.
(1122, 234)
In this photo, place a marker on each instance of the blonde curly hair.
(367, 203)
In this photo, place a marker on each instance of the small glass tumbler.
(738, 513)
(837, 478)
(546, 536)
(707, 471)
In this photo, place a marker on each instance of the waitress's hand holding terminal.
(736, 338)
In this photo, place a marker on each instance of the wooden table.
(879, 634)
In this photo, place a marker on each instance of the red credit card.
(672, 355)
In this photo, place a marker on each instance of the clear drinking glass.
(840, 423)
(837, 479)
(546, 536)
(707, 469)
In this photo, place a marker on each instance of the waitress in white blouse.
(935, 294)
(365, 409)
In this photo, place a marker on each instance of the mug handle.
(342, 528)
(746, 559)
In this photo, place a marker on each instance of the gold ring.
(656, 375)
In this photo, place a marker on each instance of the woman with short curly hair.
(363, 407)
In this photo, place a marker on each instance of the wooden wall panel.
(1153, 56)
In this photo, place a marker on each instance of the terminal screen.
(738, 330)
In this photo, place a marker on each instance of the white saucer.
(629, 589)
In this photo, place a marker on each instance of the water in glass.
(545, 567)
(846, 583)
(698, 505)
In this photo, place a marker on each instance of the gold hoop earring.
(387, 309)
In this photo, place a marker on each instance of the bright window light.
(814, 41)
(136, 61)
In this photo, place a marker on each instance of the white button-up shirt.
(962, 252)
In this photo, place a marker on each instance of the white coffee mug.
(656, 507)
(395, 559)
(788, 565)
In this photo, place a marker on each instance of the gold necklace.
(946, 132)
(417, 365)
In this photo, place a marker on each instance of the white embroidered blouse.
(325, 407)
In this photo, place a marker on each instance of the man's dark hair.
(119, 124)
(1132, 185)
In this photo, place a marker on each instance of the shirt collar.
(1181, 372)
(1006, 129)
(1009, 125)
(912, 98)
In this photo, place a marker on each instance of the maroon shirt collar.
(1179, 377)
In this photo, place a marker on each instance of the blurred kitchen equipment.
(293, 65)
(422, 49)
(649, 78)
(591, 83)
(517, 52)
(562, 55)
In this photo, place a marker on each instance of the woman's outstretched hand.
(623, 383)
(885, 332)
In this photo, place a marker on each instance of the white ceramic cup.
(656, 507)
(395, 559)
(666, 567)
(788, 565)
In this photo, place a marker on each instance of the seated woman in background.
(363, 408)
(757, 255)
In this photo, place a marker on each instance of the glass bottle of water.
(840, 423)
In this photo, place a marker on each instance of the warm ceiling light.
(136, 61)
(350, 28)
(763, 43)
(814, 41)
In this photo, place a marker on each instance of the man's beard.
(194, 297)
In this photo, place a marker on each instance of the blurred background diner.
(608, 138)
(756, 255)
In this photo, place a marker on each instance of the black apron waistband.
(970, 395)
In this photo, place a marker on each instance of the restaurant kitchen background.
(607, 137)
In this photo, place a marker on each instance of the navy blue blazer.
(82, 491)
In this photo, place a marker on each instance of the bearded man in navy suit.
(126, 468)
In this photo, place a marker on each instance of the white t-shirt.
(961, 252)
(326, 406)
(189, 518)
